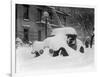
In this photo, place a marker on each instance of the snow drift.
(26, 61)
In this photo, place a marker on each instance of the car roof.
(64, 30)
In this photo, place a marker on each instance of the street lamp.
(45, 18)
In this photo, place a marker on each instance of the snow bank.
(27, 62)
(19, 42)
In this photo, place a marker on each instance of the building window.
(39, 35)
(26, 11)
(26, 39)
(51, 17)
(39, 14)
(64, 17)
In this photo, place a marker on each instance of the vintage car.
(71, 38)
(60, 42)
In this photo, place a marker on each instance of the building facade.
(35, 22)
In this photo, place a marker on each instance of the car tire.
(82, 49)
(41, 51)
(63, 51)
(51, 51)
(36, 54)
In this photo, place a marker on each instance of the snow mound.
(26, 61)
(64, 30)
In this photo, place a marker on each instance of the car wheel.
(63, 52)
(82, 49)
(51, 51)
(56, 53)
(41, 51)
(36, 53)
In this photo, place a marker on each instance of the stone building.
(35, 22)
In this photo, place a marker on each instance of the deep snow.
(27, 63)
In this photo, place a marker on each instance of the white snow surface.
(27, 63)
(64, 30)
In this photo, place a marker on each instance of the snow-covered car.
(64, 39)
(61, 42)
(70, 34)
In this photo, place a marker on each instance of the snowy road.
(26, 62)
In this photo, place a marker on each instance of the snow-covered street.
(27, 63)
(52, 38)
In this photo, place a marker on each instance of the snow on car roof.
(64, 30)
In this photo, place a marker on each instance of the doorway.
(39, 35)
(26, 38)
